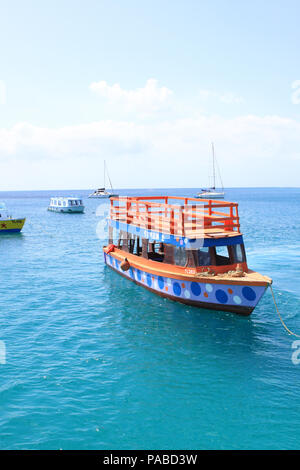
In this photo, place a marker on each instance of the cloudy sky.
(147, 86)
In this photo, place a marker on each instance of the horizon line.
(145, 188)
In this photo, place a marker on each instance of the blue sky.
(143, 84)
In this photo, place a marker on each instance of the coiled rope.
(283, 324)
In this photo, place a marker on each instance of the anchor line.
(282, 322)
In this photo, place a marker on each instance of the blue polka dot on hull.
(149, 280)
(161, 282)
(249, 293)
(221, 296)
(195, 288)
(176, 288)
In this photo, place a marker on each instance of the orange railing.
(190, 217)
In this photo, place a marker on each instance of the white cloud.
(148, 99)
(251, 151)
(90, 139)
(231, 98)
(227, 97)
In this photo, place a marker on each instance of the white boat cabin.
(66, 204)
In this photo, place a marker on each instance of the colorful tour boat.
(8, 224)
(184, 249)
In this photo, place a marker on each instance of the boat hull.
(210, 196)
(67, 210)
(11, 225)
(106, 196)
(228, 297)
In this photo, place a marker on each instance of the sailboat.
(212, 193)
(101, 192)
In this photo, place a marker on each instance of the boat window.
(203, 257)
(131, 242)
(238, 253)
(137, 247)
(120, 240)
(112, 235)
(168, 254)
(145, 248)
(222, 256)
(180, 256)
(156, 251)
(123, 240)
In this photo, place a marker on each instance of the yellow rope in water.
(283, 324)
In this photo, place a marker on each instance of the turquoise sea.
(95, 362)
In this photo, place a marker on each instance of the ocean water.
(95, 362)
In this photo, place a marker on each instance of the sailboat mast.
(214, 173)
(104, 174)
(109, 181)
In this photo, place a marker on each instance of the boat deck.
(179, 216)
(253, 277)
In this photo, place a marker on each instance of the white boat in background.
(69, 205)
(212, 193)
(102, 192)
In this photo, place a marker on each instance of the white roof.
(61, 198)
